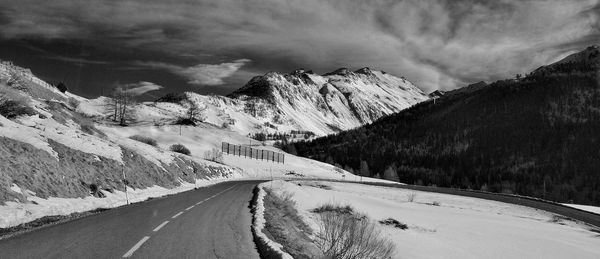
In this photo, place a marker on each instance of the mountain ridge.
(304, 101)
(534, 136)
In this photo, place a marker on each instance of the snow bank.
(460, 227)
(258, 225)
(15, 213)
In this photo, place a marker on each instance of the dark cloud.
(436, 44)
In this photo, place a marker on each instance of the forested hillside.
(537, 135)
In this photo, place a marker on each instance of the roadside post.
(125, 182)
(271, 170)
(195, 182)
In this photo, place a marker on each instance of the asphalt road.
(211, 222)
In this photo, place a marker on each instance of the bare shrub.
(351, 236)
(394, 223)
(180, 149)
(86, 125)
(144, 139)
(74, 103)
(214, 155)
(95, 191)
(411, 197)
(89, 128)
(184, 121)
(13, 104)
(330, 207)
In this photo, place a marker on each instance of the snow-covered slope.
(303, 101)
(59, 154)
(336, 101)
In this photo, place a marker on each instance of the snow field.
(460, 227)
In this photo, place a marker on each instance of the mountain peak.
(587, 60)
(340, 71)
(258, 86)
(298, 72)
(589, 55)
(364, 71)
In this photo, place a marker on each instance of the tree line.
(535, 136)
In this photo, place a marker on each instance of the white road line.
(145, 238)
(136, 247)
(177, 215)
(160, 226)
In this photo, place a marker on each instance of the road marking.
(145, 238)
(198, 203)
(177, 215)
(136, 247)
(160, 226)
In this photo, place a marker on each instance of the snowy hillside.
(59, 154)
(300, 101)
(324, 104)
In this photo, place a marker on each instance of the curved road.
(211, 222)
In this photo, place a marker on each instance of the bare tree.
(122, 105)
(195, 113)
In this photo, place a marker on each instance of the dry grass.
(147, 140)
(61, 113)
(351, 236)
(180, 149)
(286, 227)
(35, 90)
(13, 103)
(331, 207)
(63, 178)
(411, 197)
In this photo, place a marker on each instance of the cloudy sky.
(216, 46)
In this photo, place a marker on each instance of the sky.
(215, 47)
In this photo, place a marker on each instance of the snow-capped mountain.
(304, 101)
